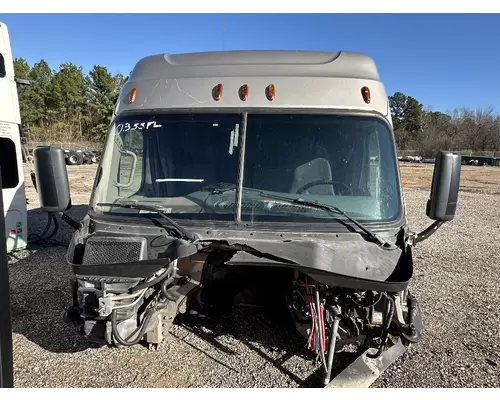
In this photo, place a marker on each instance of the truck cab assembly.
(264, 178)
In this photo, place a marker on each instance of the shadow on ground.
(268, 335)
(40, 287)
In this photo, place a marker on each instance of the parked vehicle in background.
(74, 153)
(79, 157)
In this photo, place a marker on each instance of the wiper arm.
(333, 209)
(218, 188)
(158, 209)
(223, 187)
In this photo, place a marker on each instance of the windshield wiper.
(223, 187)
(333, 209)
(158, 209)
(218, 188)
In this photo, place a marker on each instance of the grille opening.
(109, 250)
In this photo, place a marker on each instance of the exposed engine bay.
(206, 278)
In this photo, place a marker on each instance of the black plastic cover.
(52, 179)
(443, 200)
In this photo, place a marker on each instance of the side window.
(130, 166)
(3, 72)
(8, 163)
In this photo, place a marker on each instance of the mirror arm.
(426, 233)
(70, 221)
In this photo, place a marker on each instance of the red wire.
(315, 330)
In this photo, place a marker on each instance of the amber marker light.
(365, 92)
(132, 95)
(244, 93)
(271, 92)
(218, 92)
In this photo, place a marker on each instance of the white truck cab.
(263, 178)
(11, 165)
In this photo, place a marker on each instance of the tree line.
(426, 131)
(68, 105)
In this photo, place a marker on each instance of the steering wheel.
(322, 182)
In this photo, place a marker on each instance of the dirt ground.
(473, 179)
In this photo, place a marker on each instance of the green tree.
(66, 105)
(101, 95)
(22, 71)
(66, 99)
(407, 114)
(40, 77)
(397, 104)
(412, 116)
(21, 68)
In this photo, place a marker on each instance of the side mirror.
(442, 203)
(52, 179)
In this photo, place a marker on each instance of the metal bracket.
(164, 318)
(364, 371)
(415, 238)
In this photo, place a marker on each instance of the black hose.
(385, 333)
(164, 290)
(44, 239)
(374, 303)
(33, 180)
(151, 283)
(45, 230)
(56, 227)
(139, 331)
(187, 295)
(50, 219)
(40, 239)
(182, 280)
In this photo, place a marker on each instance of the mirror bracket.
(70, 221)
(442, 203)
(415, 238)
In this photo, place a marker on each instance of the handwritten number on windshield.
(137, 126)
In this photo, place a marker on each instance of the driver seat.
(315, 170)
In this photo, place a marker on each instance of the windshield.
(189, 165)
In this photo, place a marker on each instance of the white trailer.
(11, 165)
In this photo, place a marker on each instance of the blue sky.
(445, 61)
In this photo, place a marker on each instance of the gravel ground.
(457, 283)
